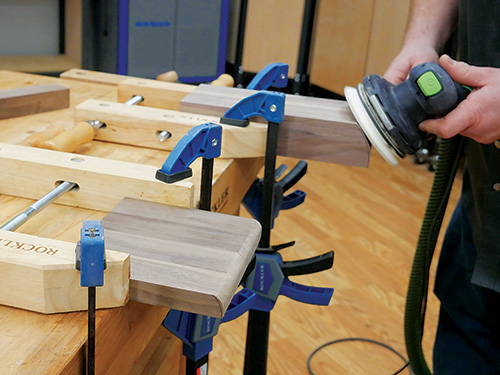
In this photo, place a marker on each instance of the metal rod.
(91, 332)
(240, 41)
(134, 100)
(302, 77)
(39, 205)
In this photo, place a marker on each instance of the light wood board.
(140, 125)
(38, 274)
(155, 93)
(187, 259)
(102, 183)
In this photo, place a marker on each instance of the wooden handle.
(224, 80)
(170, 76)
(49, 133)
(70, 140)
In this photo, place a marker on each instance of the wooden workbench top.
(33, 343)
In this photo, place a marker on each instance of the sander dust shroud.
(389, 116)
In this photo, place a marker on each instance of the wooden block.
(39, 274)
(166, 95)
(230, 186)
(186, 259)
(313, 129)
(140, 126)
(31, 173)
(33, 99)
(91, 76)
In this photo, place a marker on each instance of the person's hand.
(478, 116)
(410, 56)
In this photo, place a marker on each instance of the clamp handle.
(294, 176)
(306, 294)
(253, 198)
(240, 304)
(307, 266)
(274, 74)
(201, 141)
(267, 104)
(91, 254)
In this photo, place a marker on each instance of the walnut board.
(38, 274)
(33, 99)
(314, 128)
(186, 259)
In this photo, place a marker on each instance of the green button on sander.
(429, 84)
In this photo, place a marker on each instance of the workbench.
(127, 337)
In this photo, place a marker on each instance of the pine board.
(38, 274)
(102, 183)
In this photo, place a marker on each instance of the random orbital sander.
(389, 114)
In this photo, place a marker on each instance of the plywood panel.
(340, 43)
(386, 34)
(272, 34)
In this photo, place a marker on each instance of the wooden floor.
(371, 219)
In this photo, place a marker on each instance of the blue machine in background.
(144, 38)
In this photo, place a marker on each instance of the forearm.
(431, 22)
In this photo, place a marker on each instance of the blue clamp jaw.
(269, 280)
(274, 74)
(197, 331)
(267, 104)
(91, 254)
(252, 200)
(201, 141)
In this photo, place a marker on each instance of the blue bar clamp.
(90, 257)
(201, 141)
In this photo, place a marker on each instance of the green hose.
(416, 299)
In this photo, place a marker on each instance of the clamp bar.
(91, 262)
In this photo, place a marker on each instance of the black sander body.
(389, 114)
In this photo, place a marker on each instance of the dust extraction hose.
(416, 300)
